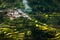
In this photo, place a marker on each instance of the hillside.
(44, 23)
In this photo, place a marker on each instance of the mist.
(27, 7)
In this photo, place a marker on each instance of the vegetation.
(44, 25)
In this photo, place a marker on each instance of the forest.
(29, 19)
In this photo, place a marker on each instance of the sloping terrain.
(44, 23)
